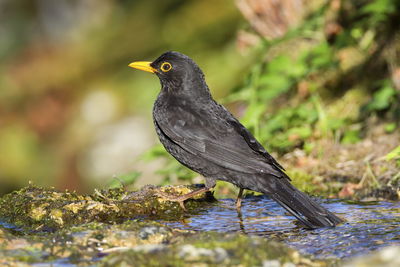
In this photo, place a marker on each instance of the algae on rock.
(39, 209)
(146, 243)
(212, 249)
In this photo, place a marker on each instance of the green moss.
(82, 243)
(303, 181)
(43, 209)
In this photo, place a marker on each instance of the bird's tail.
(307, 211)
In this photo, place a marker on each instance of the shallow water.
(369, 225)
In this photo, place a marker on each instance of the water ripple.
(369, 225)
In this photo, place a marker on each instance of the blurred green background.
(73, 115)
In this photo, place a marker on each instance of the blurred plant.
(124, 180)
(394, 155)
(64, 79)
(172, 172)
(378, 11)
(384, 98)
(303, 116)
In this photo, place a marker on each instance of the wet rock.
(84, 243)
(276, 263)
(149, 232)
(214, 249)
(387, 257)
(49, 227)
(17, 251)
(191, 253)
(41, 209)
(150, 248)
(145, 243)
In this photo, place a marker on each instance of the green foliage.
(288, 127)
(351, 137)
(320, 57)
(390, 127)
(270, 81)
(51, 119)
(383, 98)
(394, 154)
(124, 180)
(172, 172)
(378, 11)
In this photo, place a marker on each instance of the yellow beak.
(143, 65)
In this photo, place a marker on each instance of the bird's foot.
(173, 198)
(181, 199)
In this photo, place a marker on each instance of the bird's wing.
(215, 139)
(253, 143)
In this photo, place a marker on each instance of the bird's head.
(177, 73)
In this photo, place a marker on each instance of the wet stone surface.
(45, 227)
(38, 209)
(214, 249)
(369, 225)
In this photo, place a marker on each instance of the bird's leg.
(181, 199)
(239, 199)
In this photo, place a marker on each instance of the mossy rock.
(212, 249)
(36, 209)
(86, 243)
(146, 243)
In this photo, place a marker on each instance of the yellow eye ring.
(166, 66)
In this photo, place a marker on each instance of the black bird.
(205, 137)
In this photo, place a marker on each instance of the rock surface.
(118, 228)
(42, 209)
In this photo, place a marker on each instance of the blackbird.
(205, 137)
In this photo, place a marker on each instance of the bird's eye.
(166, 66)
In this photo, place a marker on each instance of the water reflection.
(369, 225)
